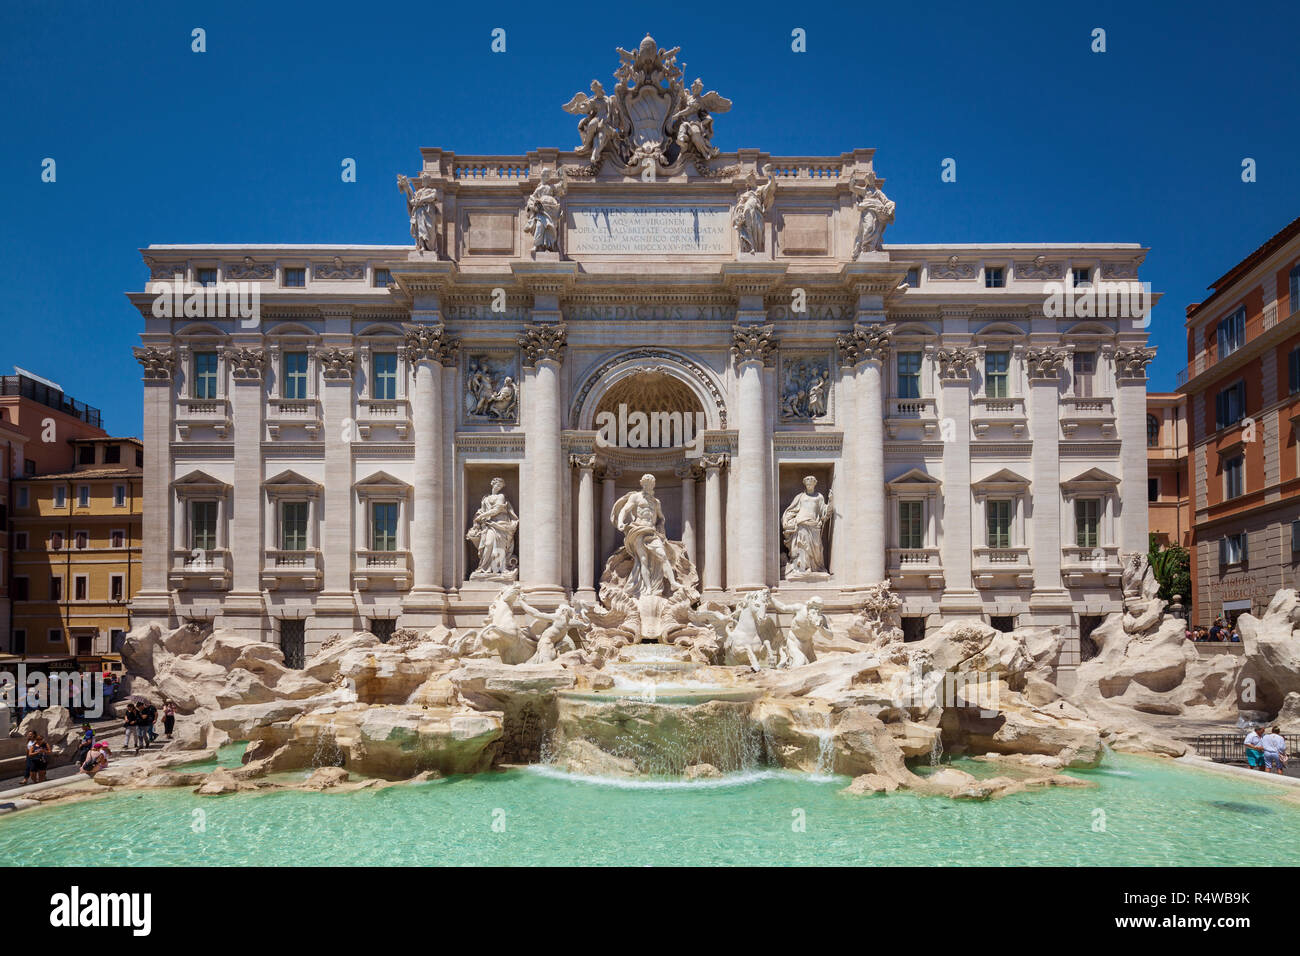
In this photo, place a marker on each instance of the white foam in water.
(739, 779)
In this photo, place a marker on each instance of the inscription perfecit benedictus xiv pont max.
(649, 229)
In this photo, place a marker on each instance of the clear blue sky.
(243, 143)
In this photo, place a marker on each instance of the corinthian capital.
(1131, 364)
(714, 461)
(543, 342)
(337, 364)
(158, 364)
(1046, 362)
(246, 364)
(955, 364)
(863, 343)
(752, 343)
(430, 343)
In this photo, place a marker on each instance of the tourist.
(1274, 746)
(130, 723)
(30, 766)
(97, 760)
(150, 714)
(1236, 635)
(41, 754)
(87, 742)
(169, 718)
(1254, 749)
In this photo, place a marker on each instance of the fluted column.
(541, 508)
(1130, 410)
(713, 465)
(753, 347)
(1044, 367)
(688, 473)
(586, 526)
(955, 366)
(427, 349)
(862, 520)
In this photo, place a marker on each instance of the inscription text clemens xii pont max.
(648, 229)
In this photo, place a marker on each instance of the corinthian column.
(862, 522)
(541, 508)
(713, 465)
(688, 473)
(752, 349)
(427, 349)
(586, 526)
(152, 603)
(608, 495)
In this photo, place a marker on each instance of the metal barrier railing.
(1231, 748)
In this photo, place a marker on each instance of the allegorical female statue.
(875, 212)
(542, 212)
(422, 206)
(801, 529)
(638, 515)
(747, 217)
(493, 533)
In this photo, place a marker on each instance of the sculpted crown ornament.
(430, 343)
(863, 343)
(1046, 362)
(955, 364)
(246, 364)
(652, 118)
(541, 342)
(1132, 363)
(158, 364)
(337, 364)
(752, 343)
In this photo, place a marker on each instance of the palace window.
(295, 277)
(909, 374)
(994, 278)
(997, 374)
(385, 375)
(999, 523)
(1153, 489)
(56, 540)
(83, 496)
(86, 455)
(295, 375)
(1293, 371)
(1087, 522)
(913, 278)
(1082, 275)
(206, 277)
(203, 525)
(60, 497)
(23, 498)
(1230, 405)
(21, 589)
(1294, 276)
(205, 375)
(1234, 477)
(112, 454)
(1153, 431)
(911, 525)
(80, 587)
(20, 540)
(20, 640)
(56, 588)
(1232, 549)
(118, 539)
(81, 540)
(383, 526)
(1295, 539)
(382, 279)
(1085, 373)
(293, 526)
(1232, 333)
(119, 496)
(116, 587)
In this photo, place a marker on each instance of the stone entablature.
(346, 438)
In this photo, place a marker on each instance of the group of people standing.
(38, 758)
(139, 721)
(1266, 750)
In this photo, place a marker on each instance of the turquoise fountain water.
(1154, 814)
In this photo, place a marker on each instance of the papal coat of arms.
(651, 118)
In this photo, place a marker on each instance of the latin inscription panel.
(665, 230)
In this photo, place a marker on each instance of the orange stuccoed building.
(1242, 386)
